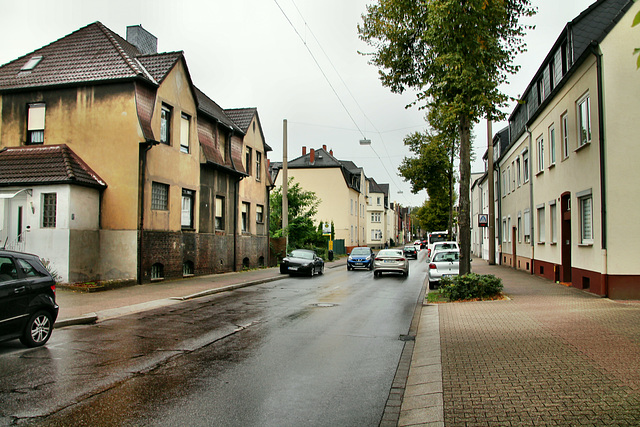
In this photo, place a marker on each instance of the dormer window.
(31, 64)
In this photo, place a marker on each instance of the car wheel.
(321, 270)
(349, 268)
(38, 329)
(283, 270)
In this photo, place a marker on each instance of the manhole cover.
(324, 304)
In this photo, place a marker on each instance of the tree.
(456, 54)
(432, 170)
(303, 206)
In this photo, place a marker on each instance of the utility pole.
(285, 184)
(492, 206)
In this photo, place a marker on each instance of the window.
(519, 228)
(188, 198)
(564, 134)
(223, 146)
(31, 63)
(351, 200)
(552, 145)
(187, 269)
(35, 123)
(504, 230)
(540, 146)
(503, 183)
(49, 208)
(586, 217)
(508, 179)
(245, 217)
(376, 234)
(554, 222)
(541, 224)
(375, 217)
(247, 160)
(165, 125)
(509, 229)
(379, 199)
(518, 171)
(159, 196)
(184, 133)
(219, 213)
(584, 121)
(259, 213)
(258, 165)
(527, 226)
(525, 165)
(157, 271)
(513, 177)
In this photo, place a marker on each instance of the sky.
(297, 60)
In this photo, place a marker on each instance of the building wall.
(371, 208)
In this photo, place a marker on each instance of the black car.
(302, 261)
(28, 306)
(410, 251)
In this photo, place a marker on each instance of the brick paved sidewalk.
(550, 355)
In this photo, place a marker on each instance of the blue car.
(361, 257)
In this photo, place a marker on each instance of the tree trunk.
(451, 200)
(464, 236)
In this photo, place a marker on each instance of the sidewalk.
(81, 307)
(549, 355)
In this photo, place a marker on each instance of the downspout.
(144, 148)
(603, 190)
(531, 217)
(235, 222)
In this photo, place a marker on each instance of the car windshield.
(445, 246)
(410, 248)
(389, 253)
(360, 251)
(446, 257)
(302, 254)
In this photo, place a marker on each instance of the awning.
(10, 194)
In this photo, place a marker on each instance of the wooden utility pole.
(285, 184)
(492, 205)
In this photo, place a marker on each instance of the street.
(312, 351)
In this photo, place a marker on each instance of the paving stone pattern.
(548, 356)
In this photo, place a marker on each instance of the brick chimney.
(324, 147)
(304, 150)
(331, 152)
(312, 156)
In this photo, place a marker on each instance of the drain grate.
(324, 304)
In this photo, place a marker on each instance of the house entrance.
(565, 207)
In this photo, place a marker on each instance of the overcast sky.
(256, 53)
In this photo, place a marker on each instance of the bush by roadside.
(471, 287)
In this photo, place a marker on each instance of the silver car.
(392, 260)
(443, 264)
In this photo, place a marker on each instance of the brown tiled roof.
(91, 54)
(241, 116)
(212, 109)
(45, 164)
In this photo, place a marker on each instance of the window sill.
(539, 172)
(541, 243)
(157, 279)
(585, 245)
(188, 229)
(184, 276)
(586, 144)
(552, 165)
(553, 243)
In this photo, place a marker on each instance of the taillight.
(53, 288)
(401, 259)
(432, 266)
(378, 259)
(428, 252)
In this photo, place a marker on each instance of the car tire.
(283, 270)
(38, 329)
(349, 268)
(321, 270)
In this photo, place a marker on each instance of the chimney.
(146, 42)
(324, 147)
(312, 156)
(304, 150)
(331, 152)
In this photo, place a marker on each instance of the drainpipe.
(236, 187)
(143, 149)
(601, 143)
(531, 212)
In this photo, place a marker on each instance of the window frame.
(553, 223)
(258, 165)
(188, 196)
(185, 133)
(219, 213)
(247, 160)
(49, 210)
(260, 214)
(552, 145)
(541, 223)
(525, 166)
(540, 153)
(564, 134)
(166, 112)
(245, 211)
(582, 115)
(36, 123)
(157, 197)
(582, 198)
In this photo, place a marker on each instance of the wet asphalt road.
(299, 351)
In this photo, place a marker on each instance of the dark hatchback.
(28, 306)
(302, 261)
(410, 251)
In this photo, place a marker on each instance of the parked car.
(417, 244)
(442, 246)
(445, 263)
(410, 251)
(360, 257)
(302, 261)
(28, 306)
(392, 260)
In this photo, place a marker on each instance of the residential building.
(377, 210)
(132, 120)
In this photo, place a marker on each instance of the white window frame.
(260, 214)
(585, 204)
(564, 134)
(525, 166)
(553, 223)
(35, 123)
(49, 210)
(583, 114)
(185, 124)
(244, 217)
(219, 213)
(541, 223)
(159, 196)
(187, 217)
(552, 145)
(165, 124)
(540, 152)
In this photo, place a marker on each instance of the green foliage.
(470, 286)
(51, 269)
(636, 21)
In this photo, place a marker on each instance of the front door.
(16, 224)
(565, 207)
(514, 236)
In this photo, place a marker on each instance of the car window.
(302, 254)
(7, 270)
(360, 251)
(446, 257)
(28, 269)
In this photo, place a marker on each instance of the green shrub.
(471, 286)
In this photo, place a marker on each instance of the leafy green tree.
(303, 206)
(456, 54)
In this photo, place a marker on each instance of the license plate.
(293, 268)
(388, 260)
(447, 275)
